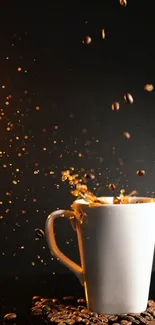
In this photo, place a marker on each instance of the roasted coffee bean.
(141, 319)
(57, 319)
(115, 106)
(36, 311)
(147, 315)
(9, 317)
(81, 301)
(84, 315)
(39, 233)
(140, 172)
(62, 323)
(133, 314)
(116, 200)
(76, 313)
(104, 318)
(123, 3)
(126, 135)
(74, 308)
(151, 303)
(35, 299)
(125, 322)
(128, 98)
(46, 308)
(111, 187)
(68, 307)
(77, 319)
(54, 300)
(61, 312)
(116, 324)
(68, 298)
(148, 87)
(127, 317)
(93, 314)
(151, 309)
(85, 311)
(80, 307)
(84, 320)
(103, 33)
(113, 318)
(86, 40)
(48, 302)
(94, 319)
(49, 315)
(89, 323)
(70, 321)
(152, 322)
(89, 176)
(38, 304)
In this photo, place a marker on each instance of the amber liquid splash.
(81, 191)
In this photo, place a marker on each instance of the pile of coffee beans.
(69, 311)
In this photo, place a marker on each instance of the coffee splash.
(81, 191)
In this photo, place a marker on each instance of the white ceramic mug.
(116, 244)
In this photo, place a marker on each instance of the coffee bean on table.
(36, 311)
(125, 322)
(85, 310)
(9, 317)
(84, 320)
(141, 319)
(93, 314)
(104, 318)
(151, 303)
(151, 309)
(113, 318)
(80, 307)
(70, 321)
(77, 319)
(68, 298)
(147, 315)
(35, 299)
(81, 301)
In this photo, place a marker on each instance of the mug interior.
(108, 200)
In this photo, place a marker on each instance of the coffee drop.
(126, 135)
(112, 187)
(128, 98)
(39, 233)
(148, 87)
(123, 3)
(86, 40)
(116, 200)
(115, 106)
(140, 172)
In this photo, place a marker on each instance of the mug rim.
(145, 200)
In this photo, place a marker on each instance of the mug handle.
(49, 231)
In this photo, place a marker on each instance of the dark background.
(74, 85)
